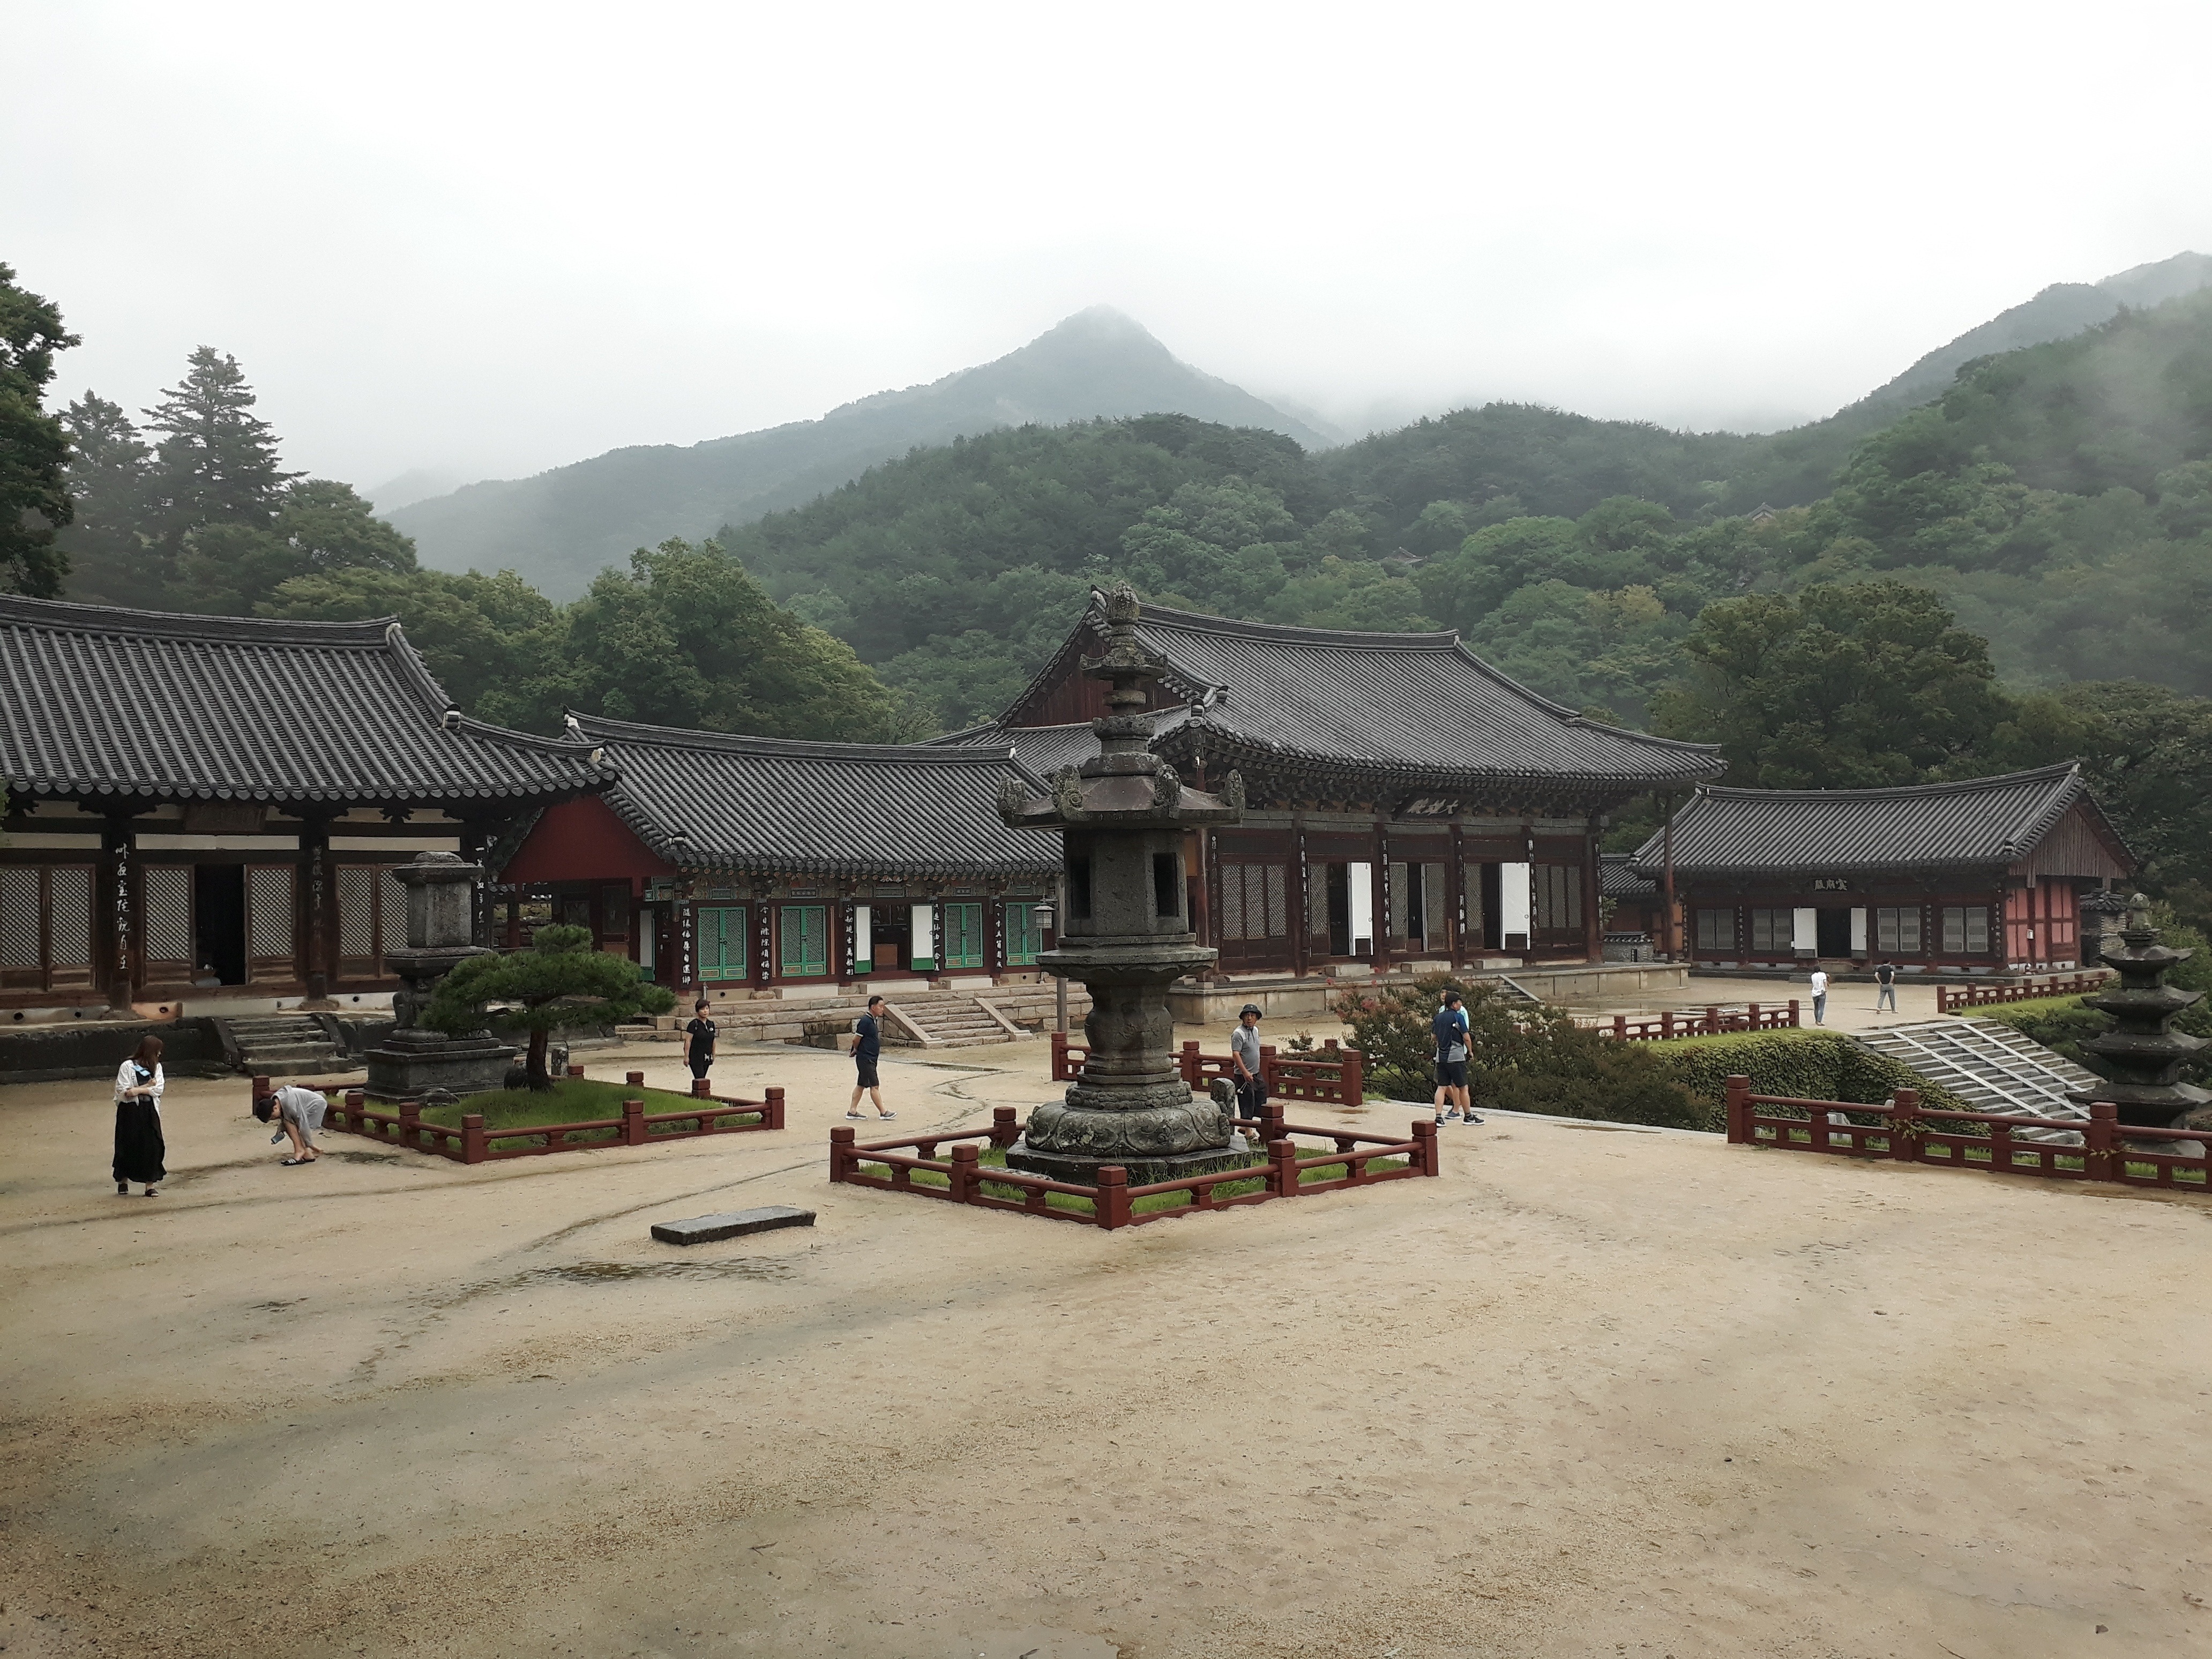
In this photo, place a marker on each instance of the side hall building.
(1409, 805)
(1985, 876)
(203, 811)
(762, 867)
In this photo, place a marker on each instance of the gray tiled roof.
(1617, 880)
(100, 702)
(1976, 822)
(707, 800)
(1421, 706)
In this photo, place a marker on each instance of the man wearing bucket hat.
(1244, 1054)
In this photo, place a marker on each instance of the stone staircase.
(947, 1019)
(924, 1018)
(1990, 1066)
(275, 1044)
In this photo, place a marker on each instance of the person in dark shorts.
(698, 1040)
(1448, 1030)
(867, 1049)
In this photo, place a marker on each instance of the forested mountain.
(559, 529)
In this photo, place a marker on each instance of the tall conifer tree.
(34, 500)
(109, 543)
(217, 462)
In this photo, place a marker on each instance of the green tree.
(110, 481)
(1851, 685)
(34, 498)
(1349, 594)
(217, 462)
(560, 981)
(319, 526)
(687, 637)
(482, 636)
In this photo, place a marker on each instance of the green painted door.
(963, 936)
(806, 940)
(1024, 939)
(721, 936)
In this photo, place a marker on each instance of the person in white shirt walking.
(1820, 996)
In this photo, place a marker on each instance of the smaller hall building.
(742, 865)
(1985, 876)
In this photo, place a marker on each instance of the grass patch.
(1228, 1187)
(571, 1100)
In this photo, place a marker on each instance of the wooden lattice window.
(165, 923)
(270, 922)
(1255, 902)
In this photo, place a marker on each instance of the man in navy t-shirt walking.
(867, 1046)
(1448, 1030)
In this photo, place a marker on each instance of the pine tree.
(216, 463)
(110, 542)
(34, 500)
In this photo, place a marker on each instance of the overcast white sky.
(494, 239)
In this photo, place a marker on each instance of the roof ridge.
(70, 616)
(678, 737)
(1291, 633)
(1894, 791)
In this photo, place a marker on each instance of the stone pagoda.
(1126, 934)
(414, 1062)
(2144, 1054)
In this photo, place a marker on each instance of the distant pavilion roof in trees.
(1979, 822)
(711, 801)
(108, 704)
(1420, 709)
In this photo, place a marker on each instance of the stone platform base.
(466, 1067)
(1083, 1171)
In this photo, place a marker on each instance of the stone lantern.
(413, 1061)
(2144, 1054)
(1126, 934)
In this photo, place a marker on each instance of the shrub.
(1525, 1057)
(1816, 1065)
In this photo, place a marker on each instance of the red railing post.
(1621, 1028)
(1817, 1121)
(2000, 1148)
(1425, 1136)
(1354, 1079)
(1712, 1022)
(841, 1152)
(472, 1138)
(702, 1088)
(576, 1071)
(1738, 1111)
(1191, 1067)
(1793, 1013)
(1113, 1199)
(410, 1123)
(1666, 1023)
(261, 1089)
(1004, 1131)
(1060, 1057)
(965, 1172)
(1283, 1167)
(1271, 1123)
(773, 1117)
(1905, 1125)
(1754, 1025)
(356, 1102)
(633, 1123)
(1267, 1066)
(634, 1079)
(2103, 1130)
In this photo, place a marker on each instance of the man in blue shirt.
(867, 1046)
(1449, 1031)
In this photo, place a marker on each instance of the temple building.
(1408, 806)
(1980, 877)
(202, 810)
(741, 866)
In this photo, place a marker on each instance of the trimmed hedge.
(1816, 1065)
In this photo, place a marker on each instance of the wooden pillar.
(764, 920)
(838, 947)
(1456, 895)
(116, 935)
(995, 931)
(1379, 907)
(311, 911)
(1593, 891)
(1668, 940)
(1198, 866)
(1298, 899)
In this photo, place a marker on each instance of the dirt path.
(1591, 1393)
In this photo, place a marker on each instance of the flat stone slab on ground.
(705, 1229)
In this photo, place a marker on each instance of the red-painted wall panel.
(582, 840)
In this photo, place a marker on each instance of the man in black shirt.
(867, 1045)
(699, 1039)
(1886, 976)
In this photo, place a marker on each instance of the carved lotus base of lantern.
(1083, 1171)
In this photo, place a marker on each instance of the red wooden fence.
(2102, 1149)
(472, 1143)
(1282, 1174)
(1328, 1073)
(1711, 1022)
(1949, 999)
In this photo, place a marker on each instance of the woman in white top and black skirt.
(139, 1150)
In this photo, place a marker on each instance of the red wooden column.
(1593, 890)
(1455, 896)
(1295, 900)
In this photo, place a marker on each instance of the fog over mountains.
(560, 527)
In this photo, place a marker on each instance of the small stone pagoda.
(1127, 936)
(414, 1062)
(2144, 1054)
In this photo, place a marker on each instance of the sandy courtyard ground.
(1591, 1393)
